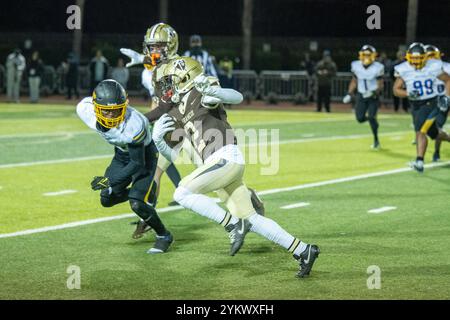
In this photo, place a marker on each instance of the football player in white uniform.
(195, 108)
(368, 81)
(434, 53)
(419, 74)
(107, 112)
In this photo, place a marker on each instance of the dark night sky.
(222, 17)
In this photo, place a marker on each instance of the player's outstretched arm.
(397, 88)
(136, 57)
(214, 94)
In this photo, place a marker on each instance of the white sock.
(272, 231)
(202, 205)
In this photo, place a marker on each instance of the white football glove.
(347, 99)
(202, 84)
(443, 103)
(163, 125)
(136, 57)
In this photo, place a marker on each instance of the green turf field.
(48, 149)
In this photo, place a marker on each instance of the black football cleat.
(162, 244)
(141, 228)
(241, 228)
(258, 205)
(436, 156)
(306, 260)
(231, 232)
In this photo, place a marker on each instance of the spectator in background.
(72, 75)
(35, 73)
(325, 72)
(309, 66)
(15, 66)
(201, 55)
(397, 101)
(226, 72)
(99, 69)
(120, 73)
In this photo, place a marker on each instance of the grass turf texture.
(408, 244)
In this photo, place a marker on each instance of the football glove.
(413, 95)
(163, 125)
(136, 57)
(347, 99)
(100, 183)
(202, 84)
(443, 103)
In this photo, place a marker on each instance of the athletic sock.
(173, 175)
(272, 231)
(202, 205)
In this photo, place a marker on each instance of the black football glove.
(100, 183)
(443, 103)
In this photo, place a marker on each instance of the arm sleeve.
(137, 162)
(228, 96)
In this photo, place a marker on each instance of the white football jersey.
(440, 85)
(367, 77)
(422, 80)
(134, 129)
(146, 80)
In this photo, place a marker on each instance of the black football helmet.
(416, 55)
(110, 100)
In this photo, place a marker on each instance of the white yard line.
(295, 205)
(282, 142)
(347, 179)
(382, 209)
(174, 208)
(59, 193)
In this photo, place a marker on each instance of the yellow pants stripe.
(148, 192)
(427, 125)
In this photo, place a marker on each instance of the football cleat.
(241, 228)
(231, 232)
(306, 260)
(376, 145)
(173, 203)
(141, 228)
(436, 156)
(162, 244)
(258, 205)
(417, 165)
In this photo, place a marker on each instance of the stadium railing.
(269, 85)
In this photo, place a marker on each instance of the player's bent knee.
(142, 209)
(180, 194)
(106, 199)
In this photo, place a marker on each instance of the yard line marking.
(282, 142)
(347, 179)
(382, 209)
(295, 205)
(174, 208)
(81, 223)
(56, 161)
(59, 193)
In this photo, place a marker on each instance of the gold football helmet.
(110, 102)
(416, 55)
(367, 54)
(160, 45)
(433, 52)
(178, 77)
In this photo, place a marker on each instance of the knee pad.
(106, 199)
(142, 209)
(180, 194)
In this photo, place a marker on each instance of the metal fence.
(279, 85)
